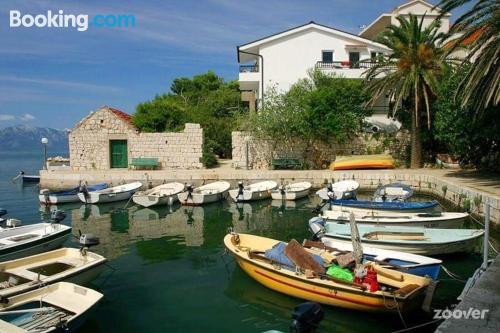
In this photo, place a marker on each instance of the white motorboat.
(291, 191)
(256, 191)
(212, 192)
(345, 189)
(117, 193)
(21, 241)
(60, 307)
(427, 220)
(159, 195)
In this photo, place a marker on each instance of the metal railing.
(363, 64)
(249, 68)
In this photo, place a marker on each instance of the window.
(354, 59)
(327, 56)
(373, 56)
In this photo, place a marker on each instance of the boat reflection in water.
(118, 228)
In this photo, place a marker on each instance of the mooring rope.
(417, 326)
(452, 275)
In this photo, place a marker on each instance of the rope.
(128, 201)
(417, 326)
(452, 275)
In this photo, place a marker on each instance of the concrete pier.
(461, 189)
(483, 298)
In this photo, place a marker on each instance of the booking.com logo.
(59, 19)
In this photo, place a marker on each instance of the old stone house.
(107, 139)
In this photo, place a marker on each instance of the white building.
(280, 60)
(418, 8)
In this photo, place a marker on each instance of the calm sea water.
(167, 270)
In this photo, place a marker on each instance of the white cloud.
(27, 117)
(6, 117)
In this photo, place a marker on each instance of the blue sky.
(54, 77)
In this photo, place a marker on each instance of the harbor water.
(167, 270)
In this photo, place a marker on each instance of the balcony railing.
(364, 64)
(249, 68)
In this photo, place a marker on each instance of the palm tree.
(410, 74)
(479, 33)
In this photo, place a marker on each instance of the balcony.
(346, 68)
(249, 77)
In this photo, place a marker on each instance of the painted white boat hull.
(58, 199)
(253, 192)
(205, 194)
(277, 195)
(154, 200)
(117, 193)
(420, 249)
(197, 199)
(445, 221)
(54, 237)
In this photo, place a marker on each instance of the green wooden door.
(118, 153)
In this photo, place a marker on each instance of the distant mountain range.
(26, 139)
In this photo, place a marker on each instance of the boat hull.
(249, 195)
(30, 179)
(422, 249)
(58, 199)
(95, 197)
(392, 206)
(154, 200)
(197, 199)
(44, 244)
(288, 195)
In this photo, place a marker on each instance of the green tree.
(473, 139)
(478, 29)
(410, 73)
(205, 99)
(321, 108)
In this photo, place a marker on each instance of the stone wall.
(257, 153)
(89, 143)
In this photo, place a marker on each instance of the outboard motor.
(317, 227)
(240, 191)
(86, 241)
(83, 189)
(3, 212)
(306, 317)
(189, 189)
(57, 216)
(282, 190)
(45, 192)
(12, 223)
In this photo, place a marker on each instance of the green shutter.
(118, 153)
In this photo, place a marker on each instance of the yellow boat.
(403, 291)
(379, 161)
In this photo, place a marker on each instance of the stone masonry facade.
(89, 142)
(319, 155)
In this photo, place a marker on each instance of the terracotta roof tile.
(122, 115)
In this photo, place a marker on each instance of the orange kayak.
(363, 162)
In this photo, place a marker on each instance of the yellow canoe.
(380, 161)
(248, 252)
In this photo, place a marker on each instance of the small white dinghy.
(291, 191)
(66, 264)
(212, 192)
(21, 241)
(117, 193)
(53, 308)
(256, 191)
(415, 240)
(159, 195)
(427, 220)
(345, 189)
